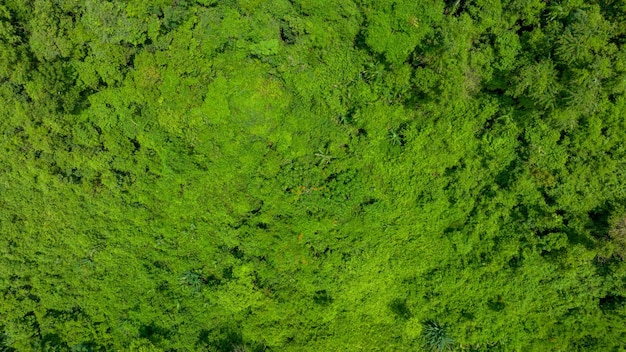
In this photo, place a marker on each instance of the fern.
(437, 338)
(192, 280)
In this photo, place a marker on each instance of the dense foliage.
(305, 175)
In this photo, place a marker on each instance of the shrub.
(436, 337)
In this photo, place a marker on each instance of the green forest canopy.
(306, 175)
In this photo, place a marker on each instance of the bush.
(436, 337)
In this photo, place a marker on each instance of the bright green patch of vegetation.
(305, 175)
